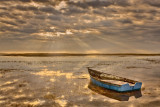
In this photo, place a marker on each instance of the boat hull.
(122, 88)
(123, 96)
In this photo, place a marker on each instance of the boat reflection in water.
(121, 96)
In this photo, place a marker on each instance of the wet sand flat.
(63, 81)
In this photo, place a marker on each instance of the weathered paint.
(122, 88)
(120, 96)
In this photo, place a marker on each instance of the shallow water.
(64, 81)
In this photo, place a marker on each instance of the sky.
(80, 26)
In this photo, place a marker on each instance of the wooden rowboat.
(113, 82)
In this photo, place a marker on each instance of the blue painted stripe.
(123, 88)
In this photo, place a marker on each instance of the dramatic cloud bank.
(86, 26)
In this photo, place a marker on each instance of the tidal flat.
(63, 81)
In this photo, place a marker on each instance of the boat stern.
(127, 87)
(138, 86)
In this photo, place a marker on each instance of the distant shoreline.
(75, 54)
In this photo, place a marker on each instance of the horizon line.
(72, 54)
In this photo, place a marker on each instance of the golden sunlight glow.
(68, 32)
(35, 103)
(19, 96)
(2, 101)
(61, 5)
(7, 88)
(52, 27)
(68, 75)
(61, 102)
(53, 34)
(138, 22)
(45, 72)
(52, 80)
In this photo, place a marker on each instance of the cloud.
(155, 3)
(126, 21)
(115, 24)
(25, 0)
(25, 8)
(10, 23)
(48, 10)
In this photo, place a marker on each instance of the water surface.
(63, 81)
